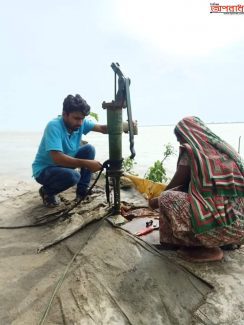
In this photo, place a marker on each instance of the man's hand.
(100, 128)
(63, 160)
(126, 127)
(92, 165)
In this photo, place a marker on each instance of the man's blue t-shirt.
(56, 137)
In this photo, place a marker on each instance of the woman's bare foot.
(201, 254)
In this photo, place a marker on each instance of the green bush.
(157, 172)
(128, 165)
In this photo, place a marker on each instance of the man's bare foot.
(201, 254)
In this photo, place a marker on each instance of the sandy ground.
(114, 279)
(14, 187)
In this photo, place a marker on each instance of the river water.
(18, 149)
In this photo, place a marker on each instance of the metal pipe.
(239, 145)
(115, 130)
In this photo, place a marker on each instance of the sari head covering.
(217, 175)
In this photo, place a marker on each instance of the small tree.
(94, 115)
(128, 165)
(157, 172)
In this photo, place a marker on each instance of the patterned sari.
(212, 212)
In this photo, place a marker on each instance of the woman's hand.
(153, 203)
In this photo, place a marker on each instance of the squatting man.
(60, 152)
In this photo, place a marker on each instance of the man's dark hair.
(76, 104)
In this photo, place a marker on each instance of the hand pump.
(115, 130)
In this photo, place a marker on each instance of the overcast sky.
(181, 59)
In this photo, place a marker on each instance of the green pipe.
(115, 130)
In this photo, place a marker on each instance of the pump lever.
(116, 68)
(122, 97)
(130, 121)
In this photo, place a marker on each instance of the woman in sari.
(202, 208)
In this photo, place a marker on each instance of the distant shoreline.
(149, 125)
(205, 123)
